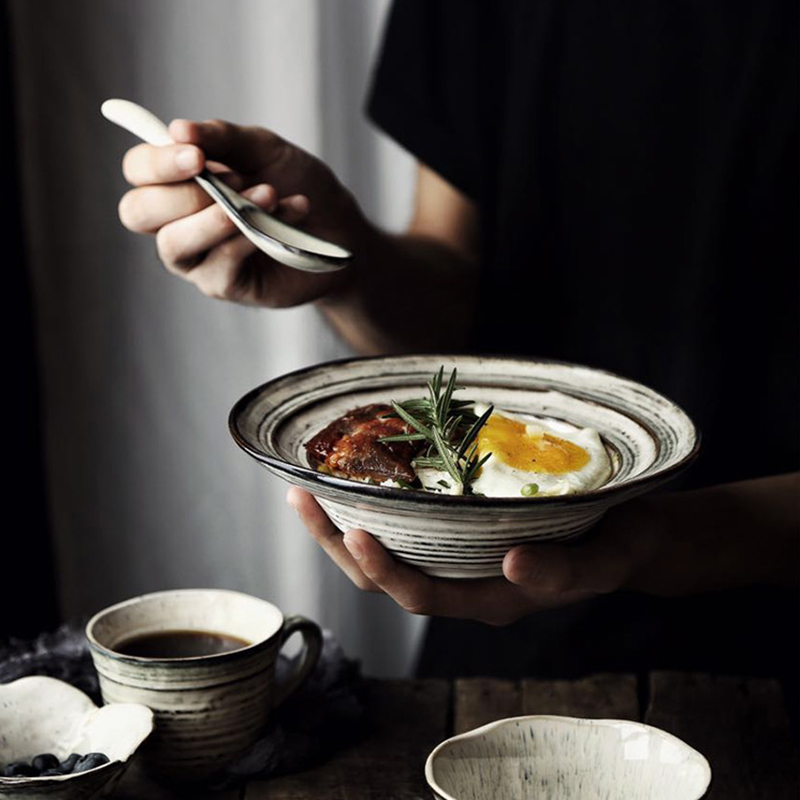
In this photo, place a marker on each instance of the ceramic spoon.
(277, 239)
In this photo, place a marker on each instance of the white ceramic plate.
(648, 437)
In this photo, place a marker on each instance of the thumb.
(244, 148)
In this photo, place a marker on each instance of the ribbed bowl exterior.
(205, 715)
(207, 709)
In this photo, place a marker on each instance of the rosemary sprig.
(448, 426)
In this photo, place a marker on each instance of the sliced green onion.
(530, 489)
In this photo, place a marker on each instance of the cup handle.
(306, 661)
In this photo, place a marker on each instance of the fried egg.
(538, 458)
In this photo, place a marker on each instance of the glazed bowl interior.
(554, 758)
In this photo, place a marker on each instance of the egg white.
(498, 479)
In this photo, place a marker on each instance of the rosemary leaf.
(446, 454)
(444, 411)
(412, 421)
(472, 433)
(404, 437)
(440, 421)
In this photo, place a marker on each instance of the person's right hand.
(195, 238)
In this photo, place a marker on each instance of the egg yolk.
(508, 440)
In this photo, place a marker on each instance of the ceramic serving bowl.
(648, 438)
(563, 758)
(45, 715)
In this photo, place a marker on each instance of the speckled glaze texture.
(208, 709)
(45, 715)
(649, 440)
(563, 758)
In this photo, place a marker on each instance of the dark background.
(27, 580)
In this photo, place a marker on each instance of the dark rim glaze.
(430, 499)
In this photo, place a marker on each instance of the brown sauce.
(180, 644)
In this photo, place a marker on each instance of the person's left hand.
(534, 577)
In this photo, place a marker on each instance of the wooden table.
(740, 725)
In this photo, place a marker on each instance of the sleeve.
(411, 96)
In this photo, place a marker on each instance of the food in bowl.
(46, 765)
(457, 447)
(352, 447)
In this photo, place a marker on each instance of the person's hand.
(671, 545)
(535, 577)
(194, 237)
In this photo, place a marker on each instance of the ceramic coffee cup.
(208, 708)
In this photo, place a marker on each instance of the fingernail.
(353, 548)
(258, 194)
(186, 159)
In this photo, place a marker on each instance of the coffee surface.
(180, 644)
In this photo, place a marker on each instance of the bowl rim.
(96, 646)
(575, 721)
(433, 499)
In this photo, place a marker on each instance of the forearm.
(735, 534)
(406, 293)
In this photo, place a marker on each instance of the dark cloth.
(635, 167)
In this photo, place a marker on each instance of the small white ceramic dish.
(564, 758)
(649, 440)
(45, 715)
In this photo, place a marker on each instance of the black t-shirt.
(635, 167)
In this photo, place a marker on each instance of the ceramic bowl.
(563, 758)
(45, 715)
(648, 438)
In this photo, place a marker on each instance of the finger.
(148, 208)
(327, 536)
(494, 600)
(294, 209)
(184, 242)
(242, 147)
(147, 164)
(219, 273)
(589, 567)
(145, 209)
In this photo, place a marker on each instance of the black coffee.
(179, 644)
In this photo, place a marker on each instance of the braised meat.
(349, 446)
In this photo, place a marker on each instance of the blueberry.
(45, 761)
(50, 773)
(68, 764)
(90, 761)
(19, 769)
